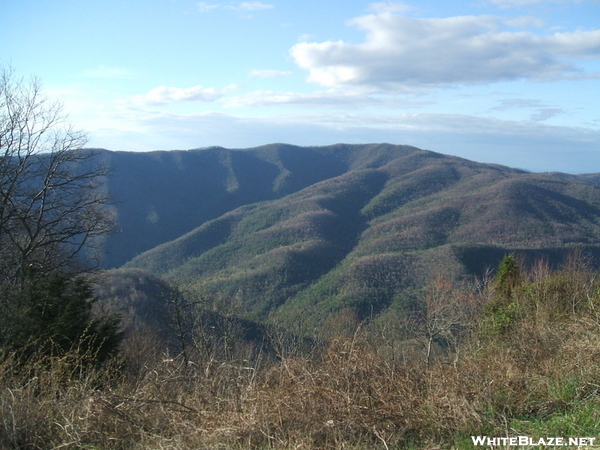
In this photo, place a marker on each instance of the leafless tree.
(447, 310)
(52, 201)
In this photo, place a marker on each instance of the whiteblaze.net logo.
(531, 442)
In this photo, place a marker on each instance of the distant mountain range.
(298, 233)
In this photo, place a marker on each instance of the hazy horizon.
(511, 82)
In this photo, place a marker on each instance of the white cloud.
(546, 113)
(399, 50)
(542, 111)
(524, 22)
(164, 95)
(305, 37)
(269, 73)
(318, 98)
(518, 103)
(240, 7)
(525, 144)
(207, 7)
(519, 3)
(254, 6)
(331, 99)
(397, 7)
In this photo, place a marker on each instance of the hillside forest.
(370, 296)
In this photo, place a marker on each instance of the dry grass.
(350, 396)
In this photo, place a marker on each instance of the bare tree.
(52, 201)
(53, 206)
(447, 310)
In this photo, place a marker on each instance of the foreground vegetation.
(514, 355)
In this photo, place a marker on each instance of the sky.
(512, 82)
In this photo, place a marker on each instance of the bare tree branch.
(53, 204)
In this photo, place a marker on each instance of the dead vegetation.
(524, 360)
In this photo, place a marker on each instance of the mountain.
(161, 195)
(155, 318)
(300, 233)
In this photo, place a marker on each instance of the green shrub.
(53, 313)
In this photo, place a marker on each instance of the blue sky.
(514, 82)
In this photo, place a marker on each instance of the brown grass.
(352, 395)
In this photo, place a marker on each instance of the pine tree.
(53, 314)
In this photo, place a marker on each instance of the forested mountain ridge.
(161, 195)
(294, 231)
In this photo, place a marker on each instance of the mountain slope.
(161, 195)
(368, 237)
